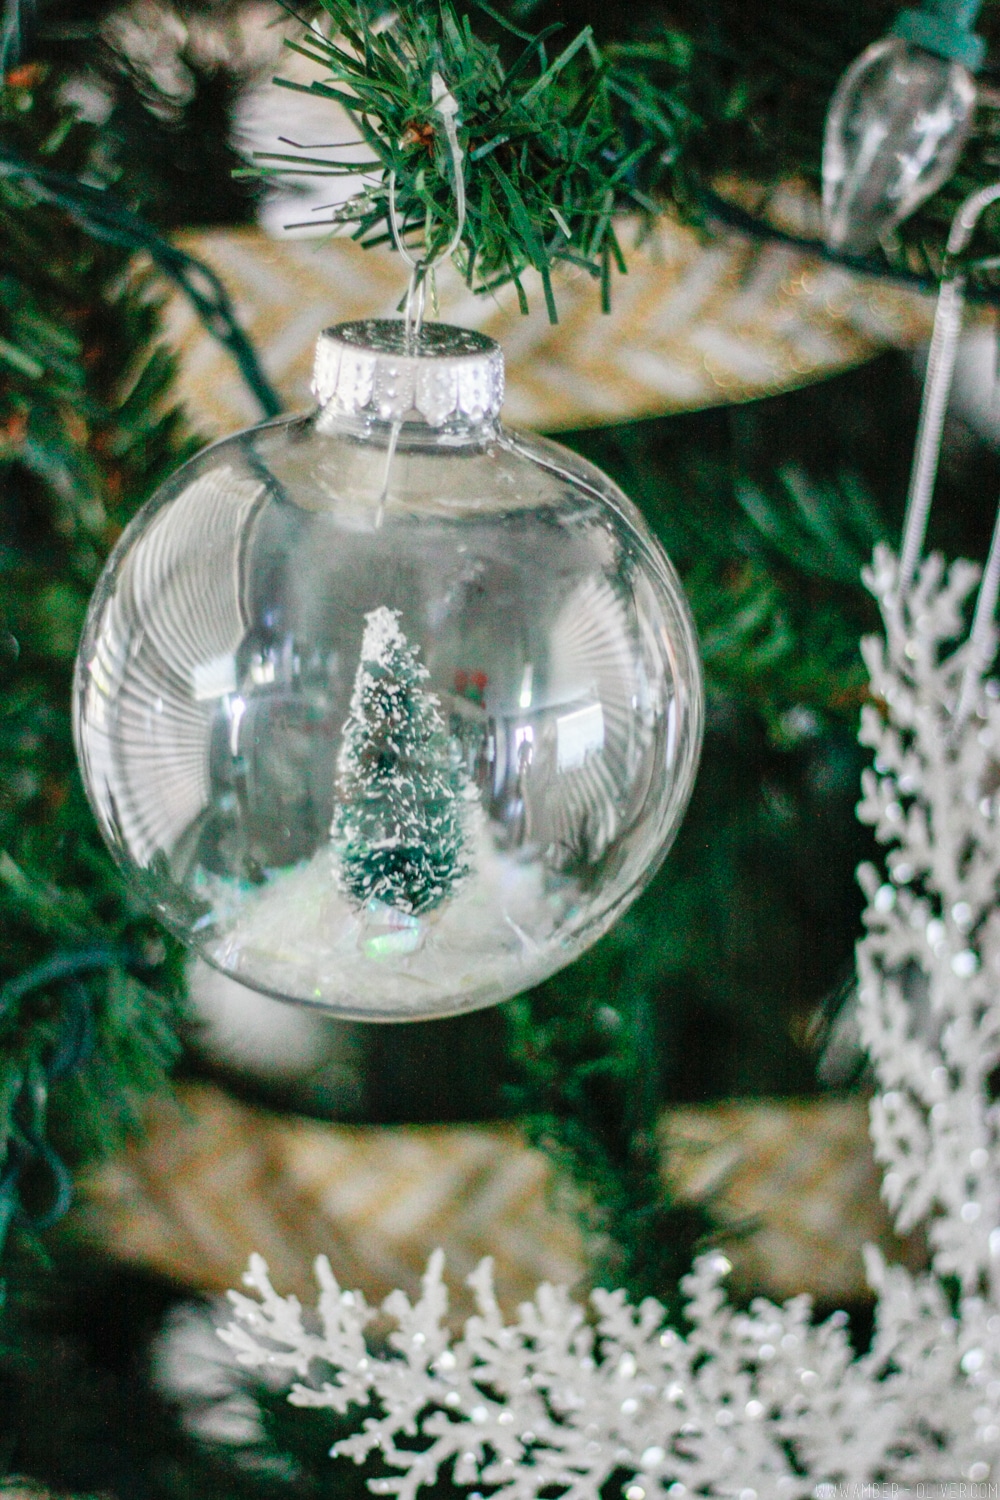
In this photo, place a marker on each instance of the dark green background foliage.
(170, 156)
(83, 437)
(711, 984)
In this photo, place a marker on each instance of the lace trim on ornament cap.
(446, 374)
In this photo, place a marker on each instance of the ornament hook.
(937, 385)
(446, 105)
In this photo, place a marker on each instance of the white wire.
(937, 385)
(444, 102)
(981, 636)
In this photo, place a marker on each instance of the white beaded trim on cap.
(460, 378)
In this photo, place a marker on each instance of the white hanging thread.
(445, 104)
(937, 387)
(421, 267)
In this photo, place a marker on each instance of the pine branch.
(547, 159)
(644, 111)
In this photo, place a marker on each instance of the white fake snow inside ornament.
(299, 934)
(383, 640)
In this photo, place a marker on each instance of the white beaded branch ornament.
(765, 1402)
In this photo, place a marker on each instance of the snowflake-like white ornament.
(763, 1402)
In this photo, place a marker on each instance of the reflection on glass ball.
(388, 718)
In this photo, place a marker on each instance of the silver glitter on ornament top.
(442, 377)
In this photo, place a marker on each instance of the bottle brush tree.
(399, 830)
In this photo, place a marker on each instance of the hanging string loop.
(446, 106)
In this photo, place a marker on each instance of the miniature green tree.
(399, 829)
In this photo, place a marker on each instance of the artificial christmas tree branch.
(562, 130)
(548, 163)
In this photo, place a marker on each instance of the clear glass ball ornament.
(388, 709)
(895, 129)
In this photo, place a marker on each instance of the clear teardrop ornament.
(896, 126)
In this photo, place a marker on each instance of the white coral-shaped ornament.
(764, 1402)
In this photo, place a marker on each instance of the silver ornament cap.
(445, 375)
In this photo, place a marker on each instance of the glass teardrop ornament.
(896, 126)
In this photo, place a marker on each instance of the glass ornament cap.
(386, 708)
(895, 129)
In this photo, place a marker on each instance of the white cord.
(937, 385)
(446, 105)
